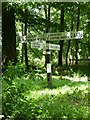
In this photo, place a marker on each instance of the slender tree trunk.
(69, 42)
(78, 17)
(48, 52)
(22, 47)
(24, 44)
(25, 47)
(88, 29)
(88, 48)
(45, 10)
(61, 41)
(67, 52)
(8, 36)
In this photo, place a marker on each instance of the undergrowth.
(26, 96)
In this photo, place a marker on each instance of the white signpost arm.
(59, 36)
(48, 46)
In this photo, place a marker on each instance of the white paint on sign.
(68, 35)
(78, 34)
(52, 46)
(59, 36)
(48, 52)
(65, 35)
(37, 45)
(40, 45)
(24, 40)
(48, 67)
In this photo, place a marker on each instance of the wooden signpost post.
(48, 46)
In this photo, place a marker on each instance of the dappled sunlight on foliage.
(45, 60)
(27, 96)
(76, 78)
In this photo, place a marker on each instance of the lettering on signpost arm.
(48, 46)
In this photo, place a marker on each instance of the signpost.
(65, 35)
(48, 46)
(52, 46)
(40, 45)
(37, 45)
(59, 36)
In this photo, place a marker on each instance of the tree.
(78, 17)
(69, 42)
(8, 34)
(48, 55)
(24, 45)
(61, 41)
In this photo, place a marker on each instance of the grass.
(27, 96)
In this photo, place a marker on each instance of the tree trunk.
(88, 48)
(48, 53)
(0, 41)
(45, 10)
(69, 42)
(61, 41)
(25, 46)
(88, 29)
(8, 36)
(78, 17)
(67, 52)
(22, 47)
